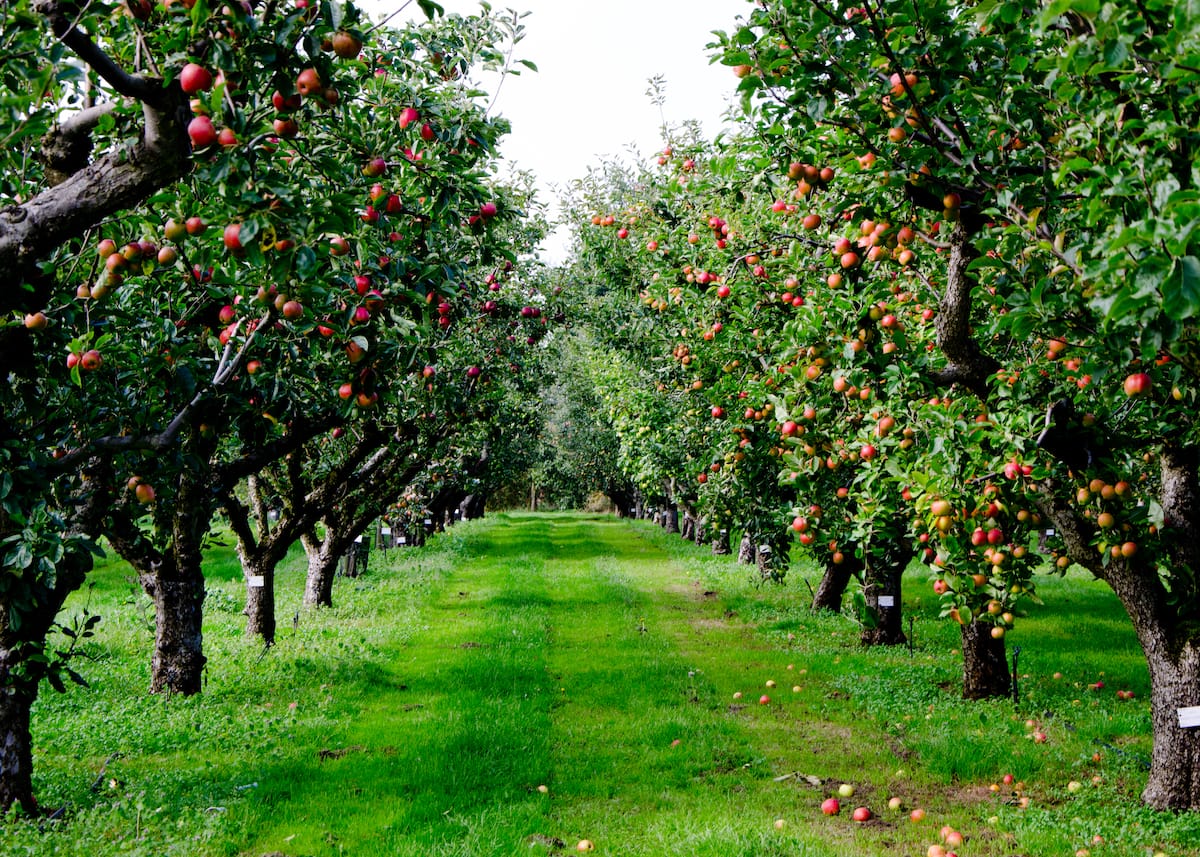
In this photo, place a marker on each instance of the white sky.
(595, 59)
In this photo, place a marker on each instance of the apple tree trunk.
(747, 552)
(323, 559)
(881, 589)
(177, 591)
(985, 665)
(174, 580)
(19, 676)
(1174, 780)
(834, 582)
(16, 739)
(260, 603)
(720, 543)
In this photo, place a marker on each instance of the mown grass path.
(531, 681)
(574, 654)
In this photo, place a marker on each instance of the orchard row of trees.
(936, 299)
(256, 263)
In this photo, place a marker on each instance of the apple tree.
(1038, 159)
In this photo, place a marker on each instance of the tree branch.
(966, 363)
(60, 15)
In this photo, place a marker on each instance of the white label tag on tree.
(429, 522)
(386, 531)
(1189, 718)
(256, 581)
(358, 541)
(403, 540)
(887, 601)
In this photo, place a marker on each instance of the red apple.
(407, 116)
(308, 83)
(1137, 384)
(830, 806)
(861, 814)
(202, 132)
(195, 78)
(346, 45)
(285, 103)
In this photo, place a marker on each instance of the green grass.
(600, 659)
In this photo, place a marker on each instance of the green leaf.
(306, 261)
(1181, 290)
(431, 9)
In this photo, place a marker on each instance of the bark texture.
(177, 665)
(323, 558)
(113, 182)
(1165, 620)
(834, 582)
(985, 667)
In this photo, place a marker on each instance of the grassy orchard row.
(960, 324)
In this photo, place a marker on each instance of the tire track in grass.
(646, 751)
(446, 758)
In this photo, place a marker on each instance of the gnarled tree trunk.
(19, 685)
(260, 602)
(747, 551)
(323, 559)
(174, 579)
(985, 668)
(16, 739)
(834, 582)
(1166, 631)
(177, 591)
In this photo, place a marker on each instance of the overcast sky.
(588, 98)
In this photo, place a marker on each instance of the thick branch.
(61, 17)
(966, 362)
(68, 147)
(113, 183)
